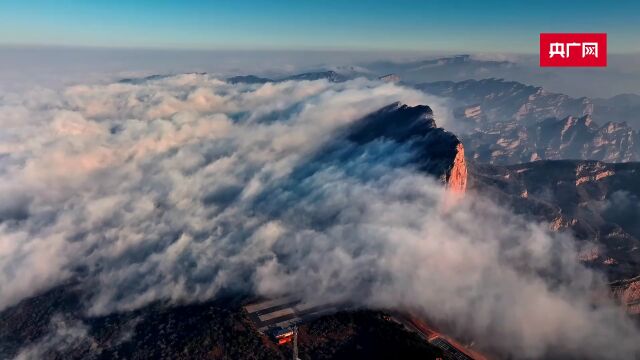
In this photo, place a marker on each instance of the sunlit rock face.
(457, 175)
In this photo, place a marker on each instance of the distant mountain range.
(329, 75)
(459, 67)
(508, 122)
(553, 139)
(502, 100)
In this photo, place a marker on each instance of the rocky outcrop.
(460, 67)
(507, 122)
(572, 137)
(502, 100)
(436, 151)
(456, 179)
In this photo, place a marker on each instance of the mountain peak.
(248, 79)
(329, 75)
(438, 152)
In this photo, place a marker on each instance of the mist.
(179, 189)
(25, 67)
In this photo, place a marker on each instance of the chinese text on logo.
(573, 49)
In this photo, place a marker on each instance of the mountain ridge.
(507, 122)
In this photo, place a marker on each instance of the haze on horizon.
(53, 43)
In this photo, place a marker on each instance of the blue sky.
(458, 26)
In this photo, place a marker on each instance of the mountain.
(596, 201)
(438, 152)
(500, 100)
(623, 107)
(553, 139)
(142, 80)
(459, 67)
(503, 101)
(507, 122)
(248, 79)
(329, 75)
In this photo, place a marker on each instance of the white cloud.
(63, 335)
(180, 188)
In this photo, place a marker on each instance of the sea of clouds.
(181, 188)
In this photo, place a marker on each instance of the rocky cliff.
(502, 100)
(437, 152)
(457, 174)
(554, 139)
(506, 122)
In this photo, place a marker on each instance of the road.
(452, 348)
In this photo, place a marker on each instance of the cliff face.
(506, 122)
(438, 153)
(457, 175)
(554, 139)
(502, 100)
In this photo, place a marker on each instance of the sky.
(458, 26)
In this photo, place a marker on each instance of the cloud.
(64, 335)
(92, 172)
(181, 188)
(623, 208)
